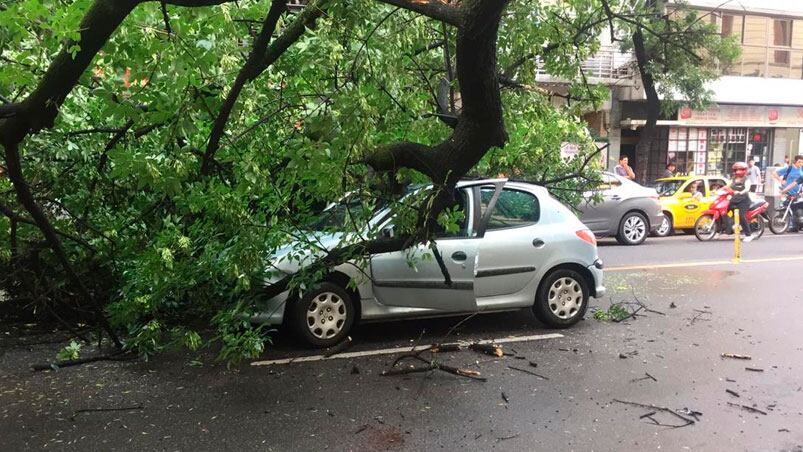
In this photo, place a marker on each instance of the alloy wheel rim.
(565, 298)
(634, 228)
(326, 315)
(664, 228)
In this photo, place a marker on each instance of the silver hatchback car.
(517, 247)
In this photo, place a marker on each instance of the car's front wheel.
(633, 229)
(562, 299)
(323, 316)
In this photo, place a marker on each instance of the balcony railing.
(609, 66)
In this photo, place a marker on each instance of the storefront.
(710, 141)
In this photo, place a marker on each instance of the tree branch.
(434, 9)
(250, 70)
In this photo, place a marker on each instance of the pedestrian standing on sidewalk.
(754, 175)
(670, 170)
(623, 169)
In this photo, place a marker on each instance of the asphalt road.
(670, 358)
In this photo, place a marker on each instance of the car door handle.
(616, 197)
(459, 256)
(538, 243)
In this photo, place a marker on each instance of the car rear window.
(513, 208)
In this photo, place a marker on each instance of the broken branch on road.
(736, 356)
(747, 408)
(687, 420)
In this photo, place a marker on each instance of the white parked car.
(517, 247)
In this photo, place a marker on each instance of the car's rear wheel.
(633, 229)
(665, 228)
(562, 299)
(323, 316)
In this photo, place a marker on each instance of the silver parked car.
(517, 247)
(628, 211)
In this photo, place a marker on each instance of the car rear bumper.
(598, 291)
(656, 220)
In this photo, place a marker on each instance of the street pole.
(737, 241)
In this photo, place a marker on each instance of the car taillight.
(586, 236)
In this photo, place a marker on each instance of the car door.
(599, 217)
(510, 244)
(412, 278)
(693, 202)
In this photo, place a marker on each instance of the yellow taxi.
(683, 199)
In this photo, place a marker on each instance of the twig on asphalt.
(457, 325)
(754, 369)
(647, 377)
(686, 420)
(503, 438)
(640, 303)
(430, 366)
(528, 372)
(116, 356)
(732, 392)
(339, 348)
(736, 356)
(488, 349)
(101, 410)
(748, 408)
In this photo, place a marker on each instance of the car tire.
(633, 229)
(665, 228)
(557, 312)
(322, 317)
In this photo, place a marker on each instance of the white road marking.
(391, 351)
(702, 263)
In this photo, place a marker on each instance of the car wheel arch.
(583, 271)
(340, 279)
(638, 211)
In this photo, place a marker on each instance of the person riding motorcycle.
(740, 199)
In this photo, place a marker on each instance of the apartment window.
(781, 57)
(782, 32)
(727, 25)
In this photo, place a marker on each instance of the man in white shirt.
(753, 175)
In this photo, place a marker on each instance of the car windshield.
(668, 187)
(339, 215)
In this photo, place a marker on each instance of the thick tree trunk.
(653, 108)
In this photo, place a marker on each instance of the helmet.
(739, 169)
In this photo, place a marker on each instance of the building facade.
(757, 110)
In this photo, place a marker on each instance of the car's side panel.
(507, 260)
(413, 278)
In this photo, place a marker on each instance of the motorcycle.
(790, 214)
(717, 219)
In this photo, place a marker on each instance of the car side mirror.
(387, 232)
(684, 195)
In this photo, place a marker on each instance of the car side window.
(464, 223)
(696, 188)
(609, 182)
(715, 184)
(513, 208)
